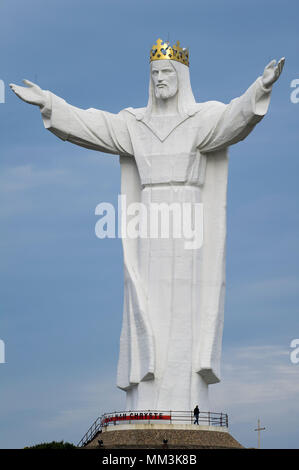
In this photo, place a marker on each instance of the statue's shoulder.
(138, 113)
(206, 106)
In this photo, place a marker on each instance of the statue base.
(163, 436)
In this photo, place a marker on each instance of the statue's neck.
(165, 107)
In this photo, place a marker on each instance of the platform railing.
(206, 418)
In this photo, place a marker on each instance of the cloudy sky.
(61, 287)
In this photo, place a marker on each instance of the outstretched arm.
(90, 128)
(228, 124)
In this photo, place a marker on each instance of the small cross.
(259, 429)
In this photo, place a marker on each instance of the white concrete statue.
(173, 150)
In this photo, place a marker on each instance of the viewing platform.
(151, 429)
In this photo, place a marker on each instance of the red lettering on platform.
(136, 416)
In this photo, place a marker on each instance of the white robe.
(170, 345)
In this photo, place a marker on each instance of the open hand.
(31, 93)
(272, 72)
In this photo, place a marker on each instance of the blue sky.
(61, 287)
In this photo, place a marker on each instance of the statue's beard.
(165, 92)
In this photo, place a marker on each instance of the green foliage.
(53, 445)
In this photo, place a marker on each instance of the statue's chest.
(164, 135)
(168, 154)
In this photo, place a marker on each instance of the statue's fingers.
(271, 64)
(16, 92)
(14, 87)
(281, 64)
(28, 83)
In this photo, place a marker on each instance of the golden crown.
(162, 50)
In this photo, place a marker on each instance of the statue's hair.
(185, 94)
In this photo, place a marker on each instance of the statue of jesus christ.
(172, 150)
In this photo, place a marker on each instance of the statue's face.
(164, 78)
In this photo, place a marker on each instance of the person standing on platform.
(196, 414)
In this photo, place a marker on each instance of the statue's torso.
(166, 149)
